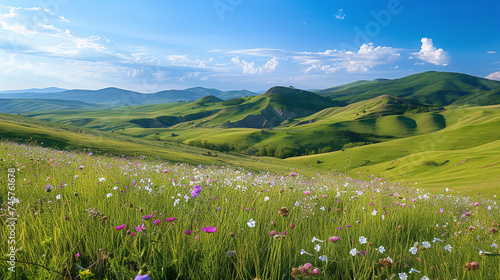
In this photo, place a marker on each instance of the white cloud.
(259, 52)
(29, 21)
(340, 15)
(494, 76)
(38, 31)
(175, 58)
(491, 52)
(184, 60)
(431, 54)
(250, 68)
(330, 61)
(43, 46)
(271, 65)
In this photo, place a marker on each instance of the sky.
(149, 46)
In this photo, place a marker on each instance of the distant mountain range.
(18, 106)
(119, 97)
(33, 90)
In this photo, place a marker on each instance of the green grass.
(73, 225)
(471, 134)
(29, 130)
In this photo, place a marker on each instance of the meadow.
(82, 215)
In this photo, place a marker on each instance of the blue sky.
(150, 46)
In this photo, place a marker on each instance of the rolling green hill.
(490, 97)
(465, 154)
(383, 105)
(346, 86)
(385, 118)
(275, 106)
(28, 130)
(436, 88)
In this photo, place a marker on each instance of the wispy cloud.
(491, 52)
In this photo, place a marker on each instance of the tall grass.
(77, 232)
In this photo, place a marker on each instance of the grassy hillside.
(464, 155)
(436, 88)
(22, 129)
(346, 86)
(330, 128)
(491, 97)
(383, 105)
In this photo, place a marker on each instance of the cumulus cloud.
(330, 61)
(250, 68)
(494, 76)
(431, 54)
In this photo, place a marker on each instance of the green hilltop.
(436, 88)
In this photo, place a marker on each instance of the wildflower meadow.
(87, 216)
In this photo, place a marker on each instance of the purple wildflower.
(196, 191)
(209, 229)
(140, 228)
(142, 277)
